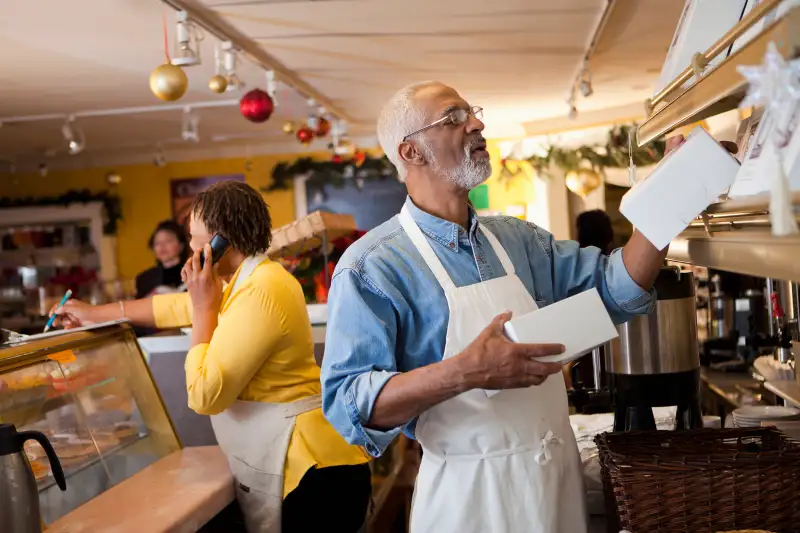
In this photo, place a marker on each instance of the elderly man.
(415, 335)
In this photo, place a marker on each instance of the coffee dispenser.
(655, 361)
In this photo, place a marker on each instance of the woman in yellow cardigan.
(251, 367)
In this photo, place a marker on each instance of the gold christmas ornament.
(288, 127)
(168, 82)
(583, 181)
(218, 83)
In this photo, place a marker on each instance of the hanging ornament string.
(166, 39)
(775, 84)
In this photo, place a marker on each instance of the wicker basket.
(701, 481)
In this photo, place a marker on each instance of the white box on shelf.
(701, 24)
(683, 184)
(581, 323)
(759, 164)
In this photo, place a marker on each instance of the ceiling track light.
(573, 110)
(585, 83)
(190, 131)
(158, 158)
(74, 136)
(189, 35)
(229, 61)
(272, 86)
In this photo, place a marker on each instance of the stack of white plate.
(753, 415)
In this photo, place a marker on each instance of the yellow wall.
(145, 195)
(504, 192)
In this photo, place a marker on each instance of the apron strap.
(301, 406)
(508, 266)
(419, 240)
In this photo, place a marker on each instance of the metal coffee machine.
(655, 362)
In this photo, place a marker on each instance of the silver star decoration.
(773, 82)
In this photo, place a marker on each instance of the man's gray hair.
(399, 117)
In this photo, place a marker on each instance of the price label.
(67, 356)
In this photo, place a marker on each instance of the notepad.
(581, 323)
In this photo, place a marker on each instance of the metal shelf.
(723, 88)
(739, 240)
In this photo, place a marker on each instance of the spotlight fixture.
(75, 141)
(585, 84)
(573, 110)
(113, 178)
(271, 86)
(158, 159)
(191, 121)
(229, 63)
(188, 42)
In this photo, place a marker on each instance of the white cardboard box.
(683, 184)
(701, 24)
(581, 323)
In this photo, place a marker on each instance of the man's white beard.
(468, 175)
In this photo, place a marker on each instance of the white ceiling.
(516, 58)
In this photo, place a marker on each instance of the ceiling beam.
(218, 26)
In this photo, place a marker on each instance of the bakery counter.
(179, 493)
(165, 354)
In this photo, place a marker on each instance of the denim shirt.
(388, 314)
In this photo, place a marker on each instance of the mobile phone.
(219, 245)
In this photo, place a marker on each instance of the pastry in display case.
(91, 394)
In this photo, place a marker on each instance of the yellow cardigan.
(262, 351)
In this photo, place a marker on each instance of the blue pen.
(60, 305)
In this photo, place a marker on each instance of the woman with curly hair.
(251, 368)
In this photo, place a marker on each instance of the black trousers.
(328, 499)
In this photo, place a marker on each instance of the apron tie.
(544, 456)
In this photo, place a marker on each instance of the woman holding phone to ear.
(251, 367)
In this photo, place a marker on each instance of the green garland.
(336, 173)
(614, 154)
(111, 204)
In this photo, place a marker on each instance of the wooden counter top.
(177, 494)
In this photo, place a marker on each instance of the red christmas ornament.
(359, 157)
(256, 106)
(336, 158)
(323, 127)
(305, 135)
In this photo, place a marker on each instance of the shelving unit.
(736, 236)
(723, 88)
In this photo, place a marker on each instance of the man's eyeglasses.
(456, 117)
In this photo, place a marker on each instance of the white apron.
(255, 437)
(494, 463)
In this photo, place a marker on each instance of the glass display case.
(91, 393)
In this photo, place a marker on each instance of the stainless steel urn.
(664, 341)
(655, 361)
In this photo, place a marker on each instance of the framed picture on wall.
(372, 204)
(183, 191)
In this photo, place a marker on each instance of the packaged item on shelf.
(761, 159)
(701, 24)
(683, 184)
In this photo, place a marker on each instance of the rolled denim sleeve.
(359, 358)
(578, 269)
